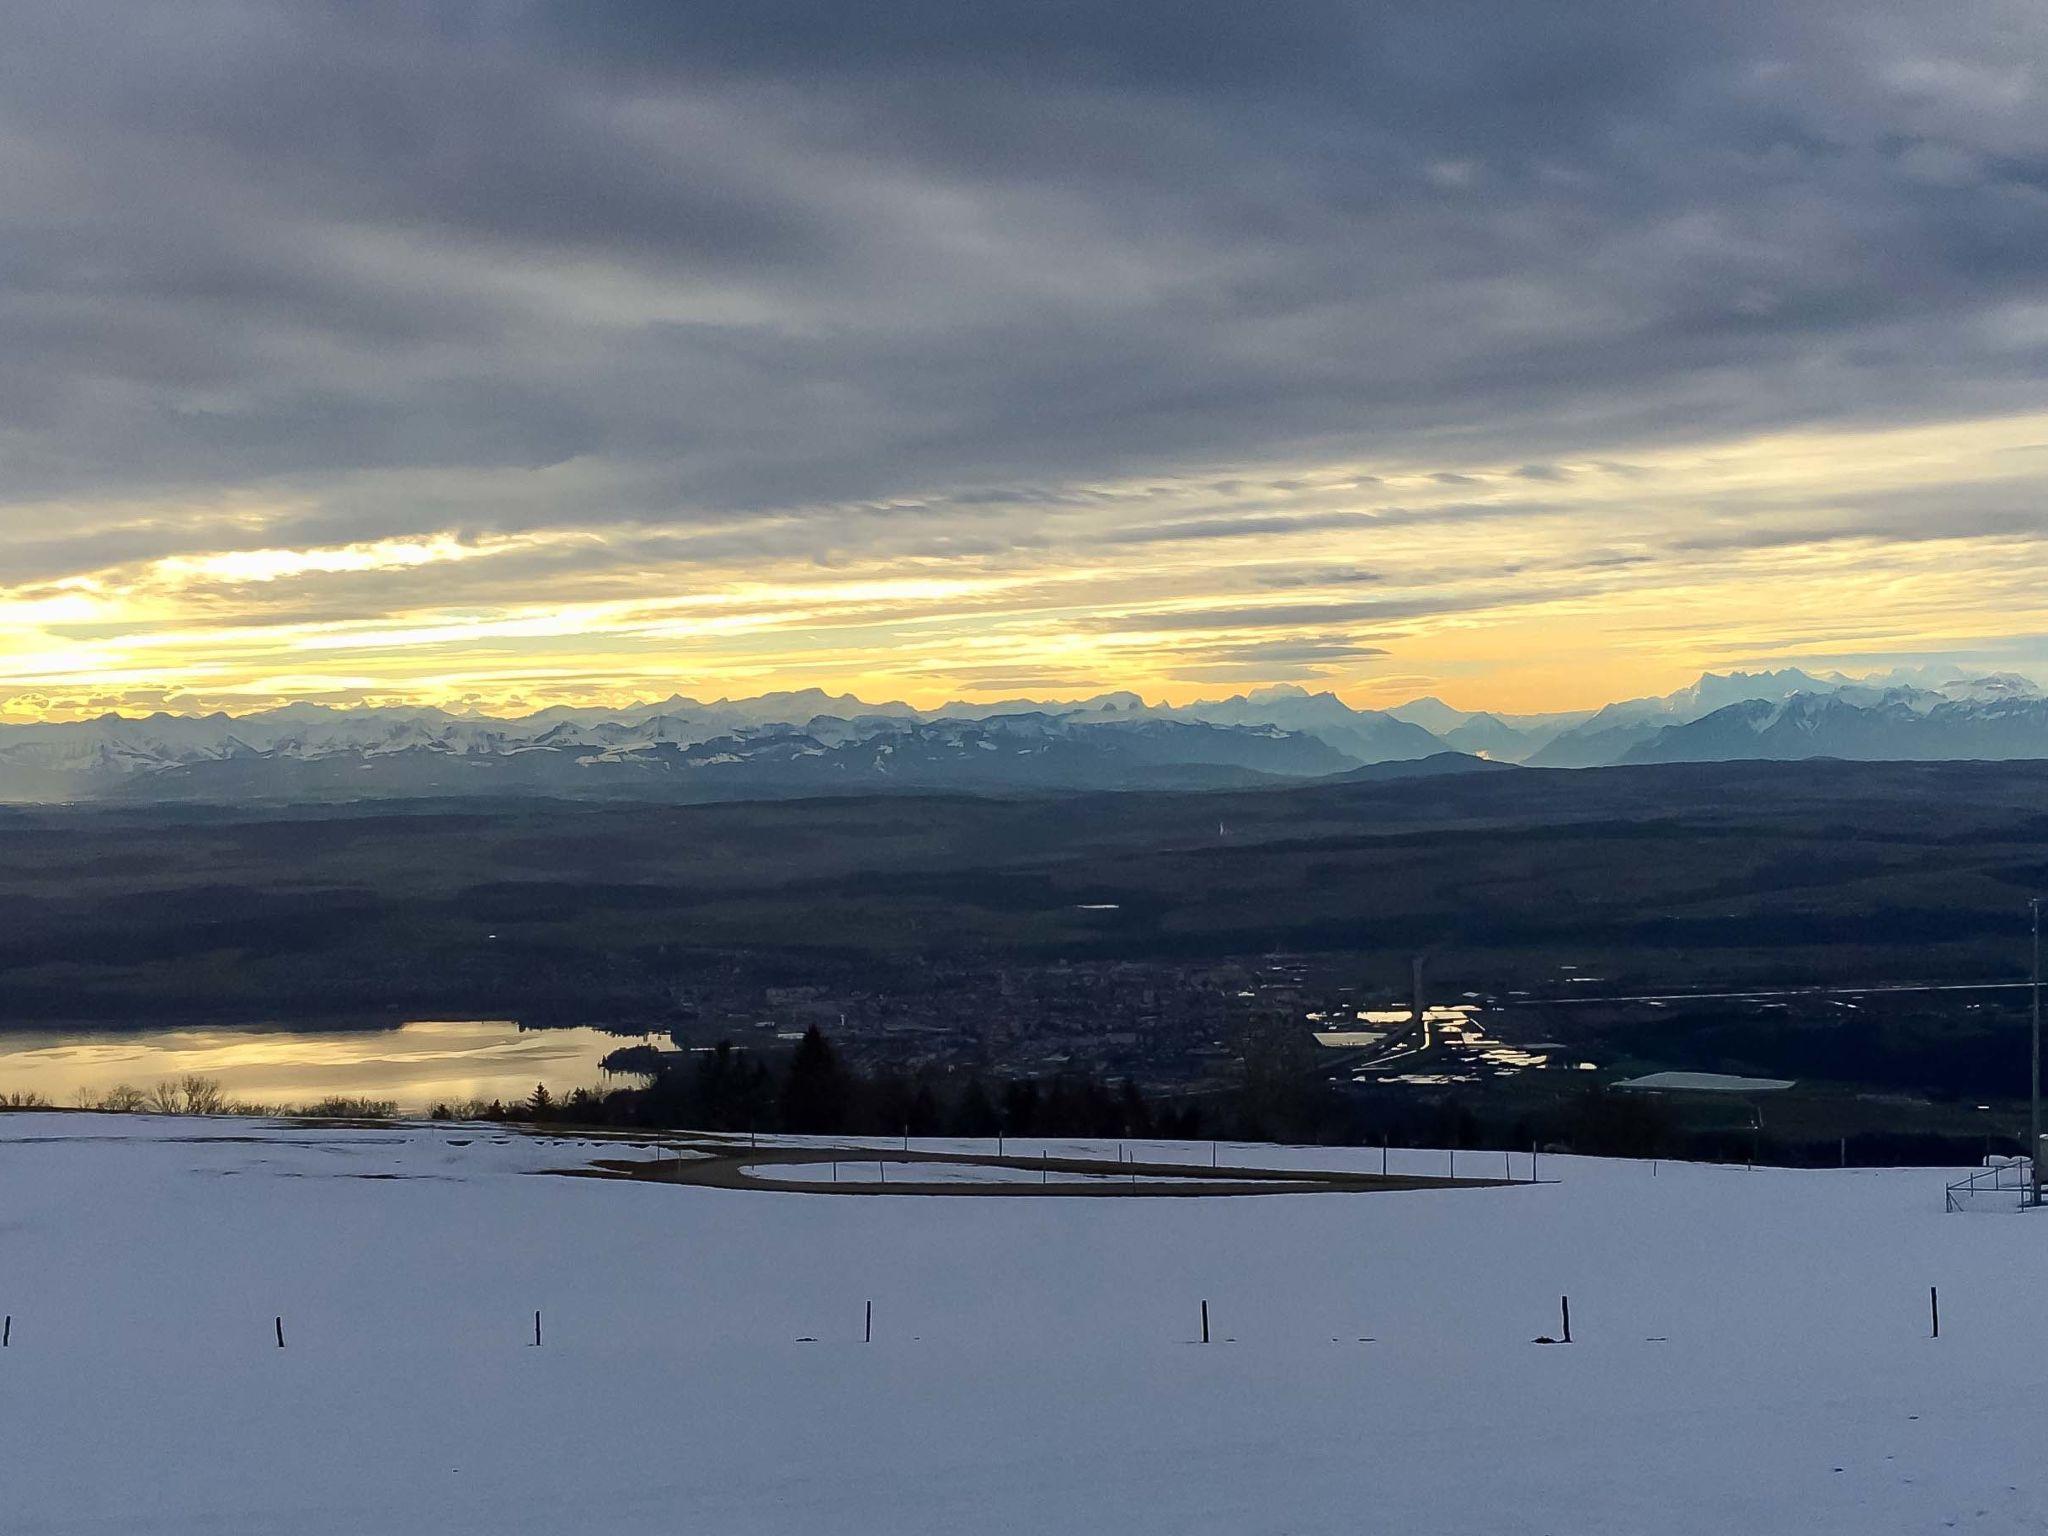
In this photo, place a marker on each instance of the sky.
(501, 353)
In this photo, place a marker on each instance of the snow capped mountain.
(1104, 706)
(1897, 724)
(808, 739)
(829, 755)
(1612, 733)
(1363, 735)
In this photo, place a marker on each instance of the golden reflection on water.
(416, 1064)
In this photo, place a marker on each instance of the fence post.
(869, 1336)
(536, 1330)
(280, 1333)
(1934, 1311)
(1566, 1303)
(7, 1331)
(1205, 1322)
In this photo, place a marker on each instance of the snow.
(1751, 1355)
(1707, 1082)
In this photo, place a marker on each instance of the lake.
(417, 1064)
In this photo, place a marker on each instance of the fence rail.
(2001, 1187)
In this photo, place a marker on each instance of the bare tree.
(203, 1096)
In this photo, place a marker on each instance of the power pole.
(2034, 1077)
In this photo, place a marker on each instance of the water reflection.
(1453, 1037)
(416, 1064)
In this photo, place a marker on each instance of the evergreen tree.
(814, 1094)
(1020, 1108)
(729, 1090)
(1136, 1112)
(975, 1114)
(923, 1116)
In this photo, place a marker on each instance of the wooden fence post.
(1205, 1322)
(280, 1333)
(1566, 1303)
(1934, 1310)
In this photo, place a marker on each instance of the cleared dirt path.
(718, 1165)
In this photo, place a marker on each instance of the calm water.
(416, 1064)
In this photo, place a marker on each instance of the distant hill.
(1436, 766)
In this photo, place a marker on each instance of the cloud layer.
(529, 350)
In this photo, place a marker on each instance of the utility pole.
(2034, 1077)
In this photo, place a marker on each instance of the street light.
(2034, 1077)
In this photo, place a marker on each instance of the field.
(1751, 1350)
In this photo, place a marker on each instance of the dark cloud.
(677, 261)
(1310, 656)
(1939, 513)
(1318, 616)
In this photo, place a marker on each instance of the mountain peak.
(1280, 691)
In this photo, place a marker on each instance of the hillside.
(1669, 875)
(1750, 1350)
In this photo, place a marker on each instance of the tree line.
(811, 1089)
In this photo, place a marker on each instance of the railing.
(2003, 1186)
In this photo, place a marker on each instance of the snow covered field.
(1752, 1352)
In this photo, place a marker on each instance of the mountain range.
(811, 742)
